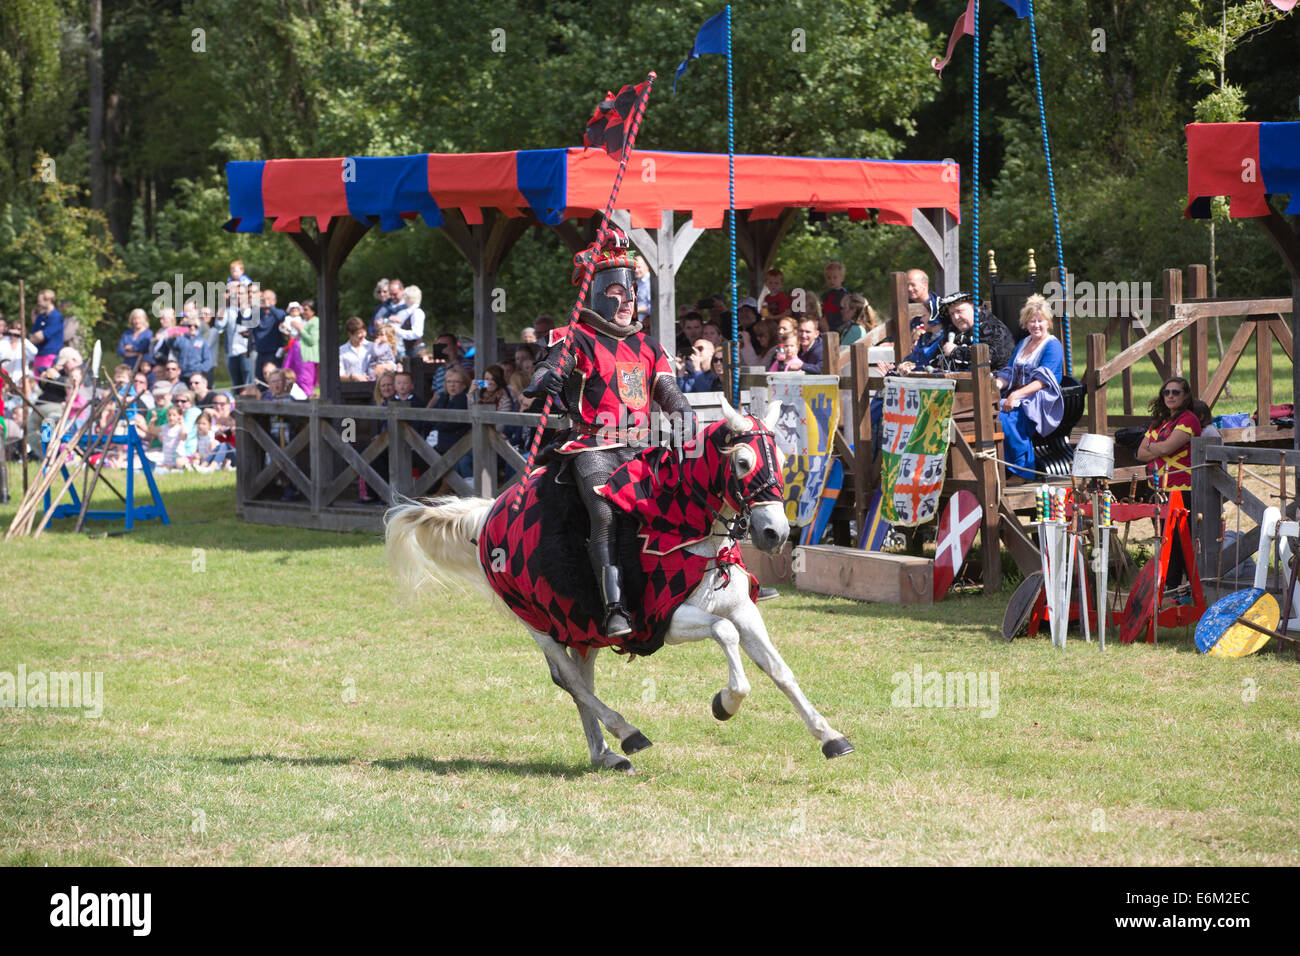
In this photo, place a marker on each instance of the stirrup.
(617, 623)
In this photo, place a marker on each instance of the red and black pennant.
(612, 119)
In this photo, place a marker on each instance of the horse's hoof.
(622, 764)
(635, 742)
(837, 748)
(719, 711)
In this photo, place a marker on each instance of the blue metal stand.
(130, 512)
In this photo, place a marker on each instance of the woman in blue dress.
(1031, 388)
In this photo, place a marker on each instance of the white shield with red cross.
(957, 529)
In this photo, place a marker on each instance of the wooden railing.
(321, 452)
(1163, 345)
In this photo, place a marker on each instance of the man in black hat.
(608, 380)
(958, 313)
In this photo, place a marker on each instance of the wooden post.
(831, 353)
(1198, 376)
(399, 456)
(986, 470)
(861, 369)
(316, 458)
(1263, 369)
(899, 323)
(1126, 377)
(1206, 511)
(1097, 423)
(1173, 281)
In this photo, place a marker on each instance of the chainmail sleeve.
(670, 398)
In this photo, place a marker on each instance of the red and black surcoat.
(612, 377)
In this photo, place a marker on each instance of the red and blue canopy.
(1245, 162)
(558, 184)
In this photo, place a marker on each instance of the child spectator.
(173, 441)
(833, 297)
(786, 353)
(383, 358)
(209, 453)
(773, 301)
(403, 389)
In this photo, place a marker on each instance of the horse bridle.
(738, 527)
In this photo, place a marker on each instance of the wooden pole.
(986, 470)
(22, 361)
(899, 322)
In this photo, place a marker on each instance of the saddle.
(562, 550)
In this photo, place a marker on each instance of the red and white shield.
(632, 385)
(957, 529)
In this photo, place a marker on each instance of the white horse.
(437, 543)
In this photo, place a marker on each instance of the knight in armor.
(607, 378)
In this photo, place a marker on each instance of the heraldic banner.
(914, 447)
(805, 433)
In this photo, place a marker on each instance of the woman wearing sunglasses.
(1167, 444)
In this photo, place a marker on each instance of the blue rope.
(731, 212)
(975, 175)
(1051, 184)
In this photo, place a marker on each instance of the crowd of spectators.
(185, 422)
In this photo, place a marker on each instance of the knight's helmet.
(614, 264)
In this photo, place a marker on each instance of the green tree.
(66, 247)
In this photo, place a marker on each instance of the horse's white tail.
(436, 543)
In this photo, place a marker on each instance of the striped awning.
(1245, 162)
(559, 184)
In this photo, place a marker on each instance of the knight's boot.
(617, 624)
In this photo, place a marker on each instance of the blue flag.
(1020, 6)
(712, 38)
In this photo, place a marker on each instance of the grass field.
(265, 700)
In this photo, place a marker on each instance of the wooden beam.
(1230, 307)
(1148, 343)
(1286, 241)
(1023, 551)
(684, 238)
(282, 457)
(1282, 333)
(1228, 454)
(359, 465)
(1229, 362)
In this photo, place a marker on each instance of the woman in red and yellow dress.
(1167, 445)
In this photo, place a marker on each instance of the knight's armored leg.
(601, 544)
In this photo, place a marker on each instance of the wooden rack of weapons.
(84, 459)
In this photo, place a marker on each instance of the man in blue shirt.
(698, 374)
(268, 340)
(810, 347)
(47, 331)
(454, 358)
(389, 307)
(192, 350)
